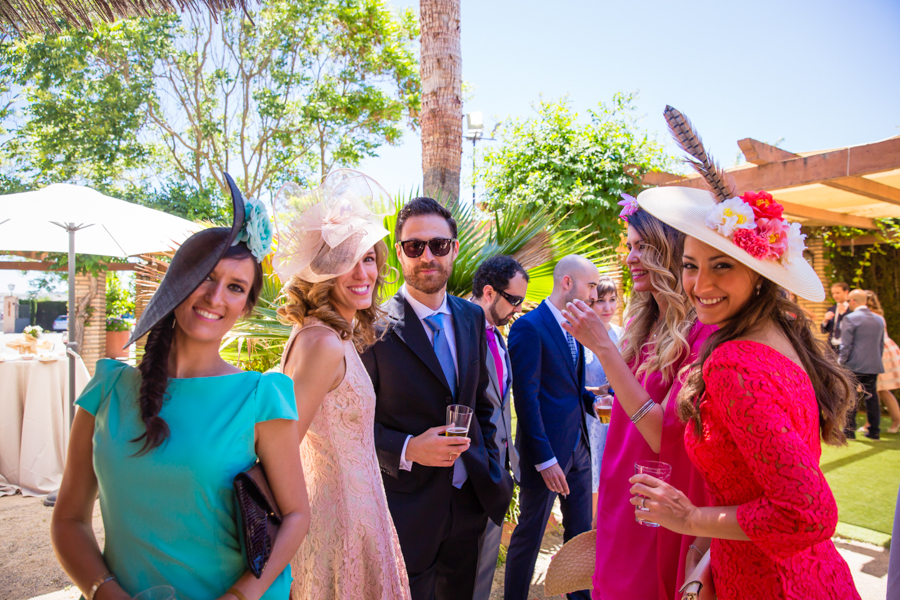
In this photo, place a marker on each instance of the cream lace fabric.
(351, 551)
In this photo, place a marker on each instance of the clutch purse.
(258, 517)
(699, 579)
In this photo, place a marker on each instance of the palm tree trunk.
(441, 117)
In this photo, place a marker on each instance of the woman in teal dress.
(162, 443)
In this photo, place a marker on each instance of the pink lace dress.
(351, 551)
(759, 450)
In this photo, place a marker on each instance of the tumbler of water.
(654, 468)
(159, 592)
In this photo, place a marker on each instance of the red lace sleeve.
(750, 394)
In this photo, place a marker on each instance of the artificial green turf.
(864, 476)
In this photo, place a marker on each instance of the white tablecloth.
(34, 423)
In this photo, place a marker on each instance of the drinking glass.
(459, 418)
(159, 592)
(603, 408)
(654, 468)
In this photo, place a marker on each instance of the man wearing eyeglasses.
(499, 288)
(551, 434)
(441, 490)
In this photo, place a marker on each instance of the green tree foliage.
(285, 92)
(571, 166)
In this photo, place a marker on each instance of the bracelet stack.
(647, 407)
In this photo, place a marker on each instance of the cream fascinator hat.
(749, 228)
(329, 229)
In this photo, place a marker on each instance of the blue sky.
(821, 74)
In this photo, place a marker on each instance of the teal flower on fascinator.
(257, 230)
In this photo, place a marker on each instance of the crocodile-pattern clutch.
(258, 517)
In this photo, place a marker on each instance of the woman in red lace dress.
(765, 392)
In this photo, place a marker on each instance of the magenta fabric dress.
(633, 560)
(759, 450)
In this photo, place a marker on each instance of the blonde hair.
(873, 303)
(305, 300)
(663, 247)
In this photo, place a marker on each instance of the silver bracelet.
(96, 586)
(647, 407)
(696, 548)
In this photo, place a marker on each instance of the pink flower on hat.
(775, 233)
(629, 206)
(764, 206)
(751, 243)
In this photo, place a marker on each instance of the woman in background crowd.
(760, 399)
(890, 379)
(661, 337)
(162, 443)
(333, 260)
(596, 381)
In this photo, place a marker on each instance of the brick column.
(815, 254)
(93, 345)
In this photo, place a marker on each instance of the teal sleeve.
(106, 373)
(275, 398)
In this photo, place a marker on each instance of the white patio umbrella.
(47, 221)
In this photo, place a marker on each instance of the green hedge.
(879, 271)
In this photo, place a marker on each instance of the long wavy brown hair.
(834, 388)
(305, 300)
(154, 365)
(663, 247)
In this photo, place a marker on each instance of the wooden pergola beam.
(828, 217)
(760, 153)
(817, 168)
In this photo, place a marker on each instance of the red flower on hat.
(764, 206)
(751, 243)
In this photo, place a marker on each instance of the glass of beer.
(603, 408)
(459, 418)
(654, 468)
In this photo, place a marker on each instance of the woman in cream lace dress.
(333, 259)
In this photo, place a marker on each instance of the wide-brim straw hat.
(686, 209)
(195, 259)
(572, 569)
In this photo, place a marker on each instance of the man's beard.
(428, 284)
(495, 317)
(572, 296)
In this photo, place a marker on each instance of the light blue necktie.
(436, 323)
(572, 347)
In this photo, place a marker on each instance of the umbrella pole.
(72, 345)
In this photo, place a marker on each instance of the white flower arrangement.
(730, 215)
(34, 331)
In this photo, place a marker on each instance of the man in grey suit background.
(499, 288)
(862, 343)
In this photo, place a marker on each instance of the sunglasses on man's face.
(438, 247)
(514, 300)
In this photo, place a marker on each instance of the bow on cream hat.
(330, 228)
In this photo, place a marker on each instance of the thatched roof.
(40, 16)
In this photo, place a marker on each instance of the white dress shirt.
(423, 312)
(559, 319)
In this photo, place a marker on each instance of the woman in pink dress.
(661, 337)
(333, 259)
(767, 393)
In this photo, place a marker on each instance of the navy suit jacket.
(551, 402)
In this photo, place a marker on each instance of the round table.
(34, 422)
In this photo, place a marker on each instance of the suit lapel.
(557, 334)
(407, 327)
